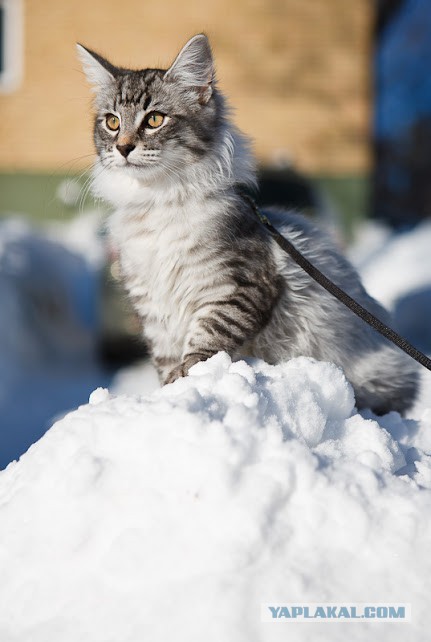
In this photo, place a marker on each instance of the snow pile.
(392, 265)
(174, 516)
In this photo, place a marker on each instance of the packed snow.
(175, 515)
(393, 265)
(176, 512)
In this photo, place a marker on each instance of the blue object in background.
(49, 335)
(402, 124)
(403, 66)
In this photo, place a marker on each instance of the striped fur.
(201, 271)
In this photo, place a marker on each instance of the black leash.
(337, 292)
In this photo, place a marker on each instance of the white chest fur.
(165, 232)
(164, 259)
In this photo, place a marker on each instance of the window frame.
(12, 45)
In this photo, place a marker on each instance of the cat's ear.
(194, 67)
(99, 72)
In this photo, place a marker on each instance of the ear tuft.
(194, 66)
(99, 72)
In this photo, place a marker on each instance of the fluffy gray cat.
(202, 272)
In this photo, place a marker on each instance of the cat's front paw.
(182, 370)
(174, 374)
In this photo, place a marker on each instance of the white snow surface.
(175, 515)
(393, 265)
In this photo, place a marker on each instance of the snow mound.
(176, 515)
(392, 265)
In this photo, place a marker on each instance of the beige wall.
(296, 72)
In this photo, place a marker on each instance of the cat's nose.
(126, 149)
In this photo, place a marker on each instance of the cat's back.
(322, 249)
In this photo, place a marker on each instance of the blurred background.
(337, 98)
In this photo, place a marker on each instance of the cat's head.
(152, 122)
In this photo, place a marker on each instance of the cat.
(202, 272)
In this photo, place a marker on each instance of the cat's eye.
(154, 120)
(112, 122)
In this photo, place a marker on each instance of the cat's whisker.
(83, 193)
(87, 187)
(70, 163)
